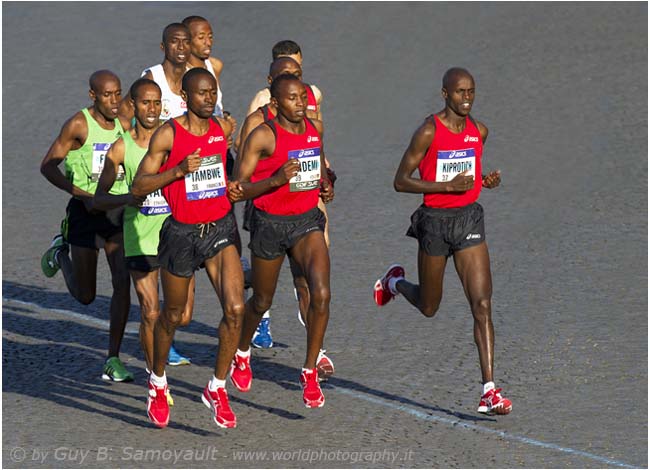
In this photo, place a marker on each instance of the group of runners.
(154, 179)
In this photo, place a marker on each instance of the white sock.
(267, 314)
(487, 387)
(158, 381)
(309, 371)
(392, 284)
(215, 383)
(244, 354)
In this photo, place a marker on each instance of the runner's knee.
(261, 303)
(172, 316)
(233, 314)
(429, 310)
(482, 309)
(320, 298)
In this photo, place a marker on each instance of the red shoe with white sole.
(493, 403)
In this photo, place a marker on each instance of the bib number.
(99, 159)
(308, 176)
(208, 182)
(155, 204)
(452, 162)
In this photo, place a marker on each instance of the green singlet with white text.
(141, 224)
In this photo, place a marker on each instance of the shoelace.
(205, 227)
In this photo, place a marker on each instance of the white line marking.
(379, 401)
(459, 423)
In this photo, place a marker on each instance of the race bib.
(99, 158)
(209, 181)
(308, 176)
(155, 204)
(452, 162)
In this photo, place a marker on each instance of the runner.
(142, 222)
(280, 170)
(169, 75)
(82, 143)
(288, 48)
(447, 150)
(262, 337)
(185, 159)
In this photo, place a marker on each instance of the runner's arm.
(405, 182)
(261, 98)
(259, 144)
(103, 200)
(493, 178)
(75, 130)
(251, 122)
(147, 179)
(326, 185)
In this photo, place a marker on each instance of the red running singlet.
(200, 197)
(312, 104)
(301, 193)
(448, 155)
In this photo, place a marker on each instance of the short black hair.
(275, 84)
(139, 83)
(453, 72)
(190, 74)
(93, 81)
(188, 20)
(285, 47)
(171, 27)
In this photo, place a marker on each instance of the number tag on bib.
(99, 159)
(155, 204)
(209, 181)
(452, 162)
(308, 176)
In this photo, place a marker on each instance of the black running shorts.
(80, 227)
(441, 232)
(142, 263)
(183, 248)
(273, 235)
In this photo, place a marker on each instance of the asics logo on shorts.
(220, 242)
(472, 236)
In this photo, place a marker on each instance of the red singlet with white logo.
(199, 197)
(301, 193)
(312, 104)
(448, 155)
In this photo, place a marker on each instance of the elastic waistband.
(449, 211)
(198, 227)
(285, 218)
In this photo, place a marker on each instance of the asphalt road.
(562, 88)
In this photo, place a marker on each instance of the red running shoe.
(492, 402)
(217, 401)
(241, 374)
(382, 293)
(324, 365)
(157, 406)
(312, 395)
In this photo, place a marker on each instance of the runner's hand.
(191, 163)
(461, 183)
(136, 201)
(326, 191)
(492, 179)
(235, 191)
(286, 172)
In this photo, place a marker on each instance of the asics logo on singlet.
(312, 139)
(458, 153)
(215, 138)
(469, 138)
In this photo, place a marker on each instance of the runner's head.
(287, 48)
(288, 95)
(105, 92)
(200, 36)
(176, 43)
(145, 96)
(283, 65)
(458, 90)
(199, 90)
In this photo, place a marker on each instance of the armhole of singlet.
(173, 126)
(271, 124)
(432, 119)
(216, 121)
(312, 125)
(474, 122)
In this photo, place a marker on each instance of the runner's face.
(201, 34)
(148, 106)
(291, 68)
(459, 97)
(292, 101)
(107, 97)
(177, 47)
(202, 96)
